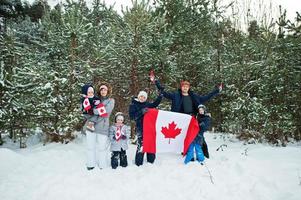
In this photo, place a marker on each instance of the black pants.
(150, 157)
(122, 156)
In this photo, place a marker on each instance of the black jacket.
(137, 111)
(177, 98)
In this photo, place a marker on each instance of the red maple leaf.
(171, 131)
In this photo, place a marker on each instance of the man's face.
(142, 99)
(185, 88)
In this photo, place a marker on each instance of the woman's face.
(103, 92)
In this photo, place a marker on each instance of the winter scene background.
(49, 49)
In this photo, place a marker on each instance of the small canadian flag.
(118, 133)
(101, 110)
(86, 104)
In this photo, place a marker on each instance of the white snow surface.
(240, 172)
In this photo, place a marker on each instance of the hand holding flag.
(118, 134)
(86, 104)
(102, 110)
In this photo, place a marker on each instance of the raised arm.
(156, 102)
(167, 95)
(203, 99)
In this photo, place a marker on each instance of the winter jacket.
(177, 98)
(137, 111)
(121, 143)
(102, 123)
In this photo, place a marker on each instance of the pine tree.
(63, 69)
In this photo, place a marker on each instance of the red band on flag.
(149, 131)
(193, 130)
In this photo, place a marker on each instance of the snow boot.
(150, 157)
(123, 160)
(114, 159)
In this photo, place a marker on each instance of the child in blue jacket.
(204, 121)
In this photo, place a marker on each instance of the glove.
(123, 137)
(144, 110)
(152, 76)
(220, 87)
(96, 102)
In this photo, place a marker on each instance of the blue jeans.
(190, 153)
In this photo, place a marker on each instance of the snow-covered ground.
(56, 171)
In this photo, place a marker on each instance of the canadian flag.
(165, 131)
(86, 104)
(118, 133)
(101, 110)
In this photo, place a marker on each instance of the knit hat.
(142, 93)
(85, 88)
(119, 115)
(202, 106)
(103, 87)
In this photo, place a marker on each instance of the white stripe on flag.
(164, 119)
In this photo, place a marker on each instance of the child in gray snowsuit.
(119, 135)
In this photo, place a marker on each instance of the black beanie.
(85, 89)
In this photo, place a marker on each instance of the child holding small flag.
(119, 134)
(88, 102)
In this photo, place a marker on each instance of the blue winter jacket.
(177, 98)
(136, 111)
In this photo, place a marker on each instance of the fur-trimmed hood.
(100, 83)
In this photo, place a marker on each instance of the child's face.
(119, 121)
(142, 99)
(201, 111)
(90, 92)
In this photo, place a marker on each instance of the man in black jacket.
(184, 100)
